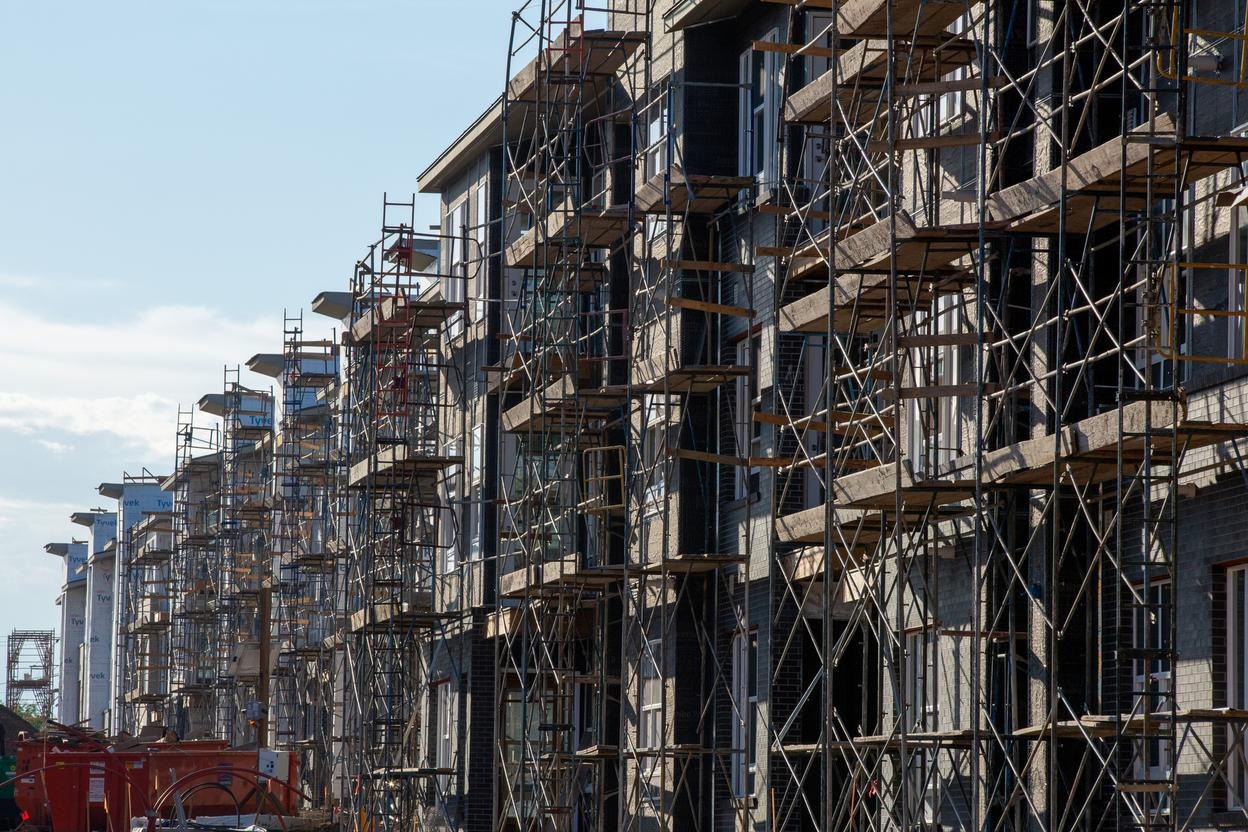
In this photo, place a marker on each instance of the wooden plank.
(954, 339)
(727, 459)
(806, 49)
(708, 306)
(793, 212)
(877, 485)
(935, 391)
(706, 456)
(788, 462)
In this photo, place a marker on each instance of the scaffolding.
(981, 609)
(306, 543)
(141, 658)
(145, 633)
(400, 593)
(195, 565)
(567, 224)
(30, 680)
(242, 590)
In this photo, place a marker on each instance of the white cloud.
(122, 377)
(54, 446)
(144, 420)
(20, 513)
(32, 576)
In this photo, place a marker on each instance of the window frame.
(449, 531)
(456, 275)
(745, 719)
(476, 477)
(815, 442)
(650, 697)
(920, 711)
(654, 426)
(446, 707)
(482, 236)
(749, 431)
(1235, 626)
(758, 111)
(1142, 674)
(952, 105)
(658, 123)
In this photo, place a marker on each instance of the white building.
(73, 604)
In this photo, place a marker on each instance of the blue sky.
(172, 176)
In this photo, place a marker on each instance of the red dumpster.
(86, 788)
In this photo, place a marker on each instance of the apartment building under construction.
(806, 415)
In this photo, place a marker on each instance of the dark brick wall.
(480, 723)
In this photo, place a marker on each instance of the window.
(599, 187)
(523, 742)
(919, 714)
(451, 515)
(654, 420)
(1236, 624)
(656, 227)
(815, 171)
(949, 313)
(745, 713)
(456, 233)
(814, 441)
(749, 430)
(919, 708)
(447, 718)
(657, 243)
(656, 137)
(936, 433)
(1032, 31)
(481, 255)
(482, 225)
(650, 725)
(759, 95)
(817, 177)
(819, 27)
(473, 506)
(512, 742)
(953, 104)
(1236, 277)
(1151, 632)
